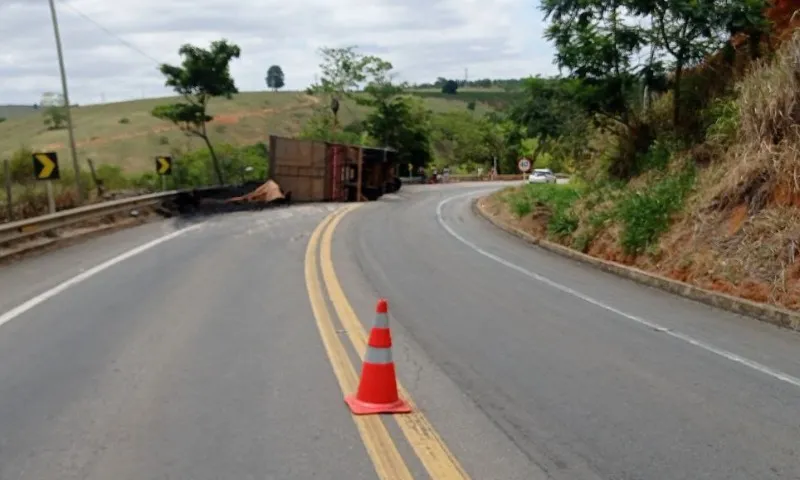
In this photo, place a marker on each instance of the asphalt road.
(592, 376)
(197, 350)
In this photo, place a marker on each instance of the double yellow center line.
(426, 443)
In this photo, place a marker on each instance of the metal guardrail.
(44, 223)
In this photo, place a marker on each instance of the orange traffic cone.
(377, 390)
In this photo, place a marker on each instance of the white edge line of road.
(20, 309)
(777, 374)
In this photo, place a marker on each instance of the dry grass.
(766, 155)
(739, 231)
(245, 119)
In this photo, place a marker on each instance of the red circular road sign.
(524, 164)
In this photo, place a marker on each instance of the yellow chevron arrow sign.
(164, 165)
(45, 166)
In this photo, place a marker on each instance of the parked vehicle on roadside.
(542, 175)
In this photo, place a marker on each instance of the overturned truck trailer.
(315, 171)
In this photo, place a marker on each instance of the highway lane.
(197, 358)
(590, 375)
(216, 348)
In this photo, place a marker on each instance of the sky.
(112, 52)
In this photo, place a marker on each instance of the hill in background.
(127, 135)
(16, 111)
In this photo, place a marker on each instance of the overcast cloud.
(424, 39)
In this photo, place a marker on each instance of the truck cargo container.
(315, 171)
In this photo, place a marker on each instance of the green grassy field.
(16, 111)
(125, 134)
(491, 97)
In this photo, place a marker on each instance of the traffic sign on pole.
(45, 166)
(164, 165)
(524, 165)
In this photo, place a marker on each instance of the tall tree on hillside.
(275, 78)
(203, 75)
(598, 42)
(396, 120)
(689, 30)
(55, 110)
(343, 71)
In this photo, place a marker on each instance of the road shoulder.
(763, 312)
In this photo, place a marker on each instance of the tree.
(55, 110)
(689, 30)
(598, 42)
(275, 78)
(548, 112)
(203, 75)
(450, 87)
(343, 71)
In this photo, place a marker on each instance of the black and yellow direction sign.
(164, 165)
(45, 166)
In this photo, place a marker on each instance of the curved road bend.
(191, 351)
(590, 375)
(222, 352)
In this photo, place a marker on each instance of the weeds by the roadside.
(644, 214)
(558, 199)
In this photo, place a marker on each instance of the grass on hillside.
(722, 214)
(493, 97)
(16, 111)
(126, 135)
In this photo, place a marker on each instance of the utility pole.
(67, 104)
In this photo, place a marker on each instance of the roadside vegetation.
(675, 120)
(689, 168)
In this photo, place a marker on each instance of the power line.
(110, 33)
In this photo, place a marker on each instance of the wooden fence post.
(7, 176)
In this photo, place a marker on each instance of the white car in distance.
(542, 175)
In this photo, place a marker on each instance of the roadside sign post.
(51, 200)
(45, 168)
(164, 169)
(524, 166)
(360, 173)
(7, 177)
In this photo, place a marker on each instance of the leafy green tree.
(689, 30)
(598, 42)
(275, 78)
(459, 137)
(203, 75)
(395, 119)
(55, 110)
(547, 111)
(450, 87)
(343, 71)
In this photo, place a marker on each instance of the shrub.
(645, 214)
(21, 165)
(723, 115)
(112, 176)
(558, 199)
(655, 158)
(124, 121)
(520, 206)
